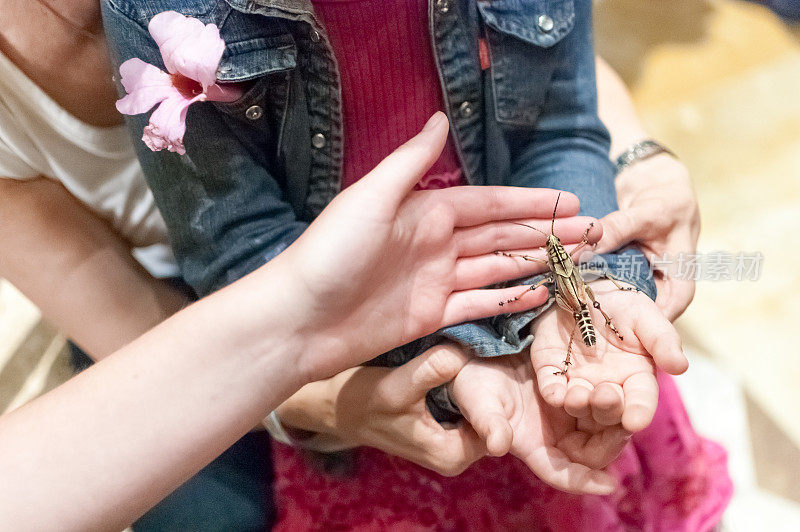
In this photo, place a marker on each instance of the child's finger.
(554, 467)
(509, 235)
(576, 401)
(661, 340)
(641, 399)
(622, 227)
(468, 305)
(477, 205)
(548, 363)
(552, 385)
(608, 403)
(483, 270)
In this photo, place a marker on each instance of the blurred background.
(718, 81)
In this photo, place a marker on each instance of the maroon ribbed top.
(390, 86)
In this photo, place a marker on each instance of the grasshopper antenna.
(530, 227)
(553, 223)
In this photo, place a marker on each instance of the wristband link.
(640, 151)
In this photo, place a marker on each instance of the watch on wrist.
(640, 151)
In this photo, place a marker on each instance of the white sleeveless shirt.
(96, 165)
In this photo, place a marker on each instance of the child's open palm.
(614, 380)
(498, 397)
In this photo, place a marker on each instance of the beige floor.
(718, 81)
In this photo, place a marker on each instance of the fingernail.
(434, 121)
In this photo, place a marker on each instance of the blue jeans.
(232, 493)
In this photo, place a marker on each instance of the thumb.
(492, 425)
(619, 228)
(397, 174)
(660, 340)
(554, 467)
(674, 295)
(436, 366)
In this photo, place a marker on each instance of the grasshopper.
(571, 291)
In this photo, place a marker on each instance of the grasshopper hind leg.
(596, 304)
(568, 359)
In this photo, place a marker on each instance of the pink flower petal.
(188, 46)
(168, 125)
(146, 85)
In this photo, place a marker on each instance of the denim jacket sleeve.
(225, 212)
(568, 147)
(560, 144)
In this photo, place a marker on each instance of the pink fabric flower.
(191, 52)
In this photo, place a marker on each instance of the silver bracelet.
(323, 443)
(275, 428)
(640, 151)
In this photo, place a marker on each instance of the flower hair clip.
(191, 52)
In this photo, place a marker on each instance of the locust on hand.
(571, 291)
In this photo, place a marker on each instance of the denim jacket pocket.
(523, 38)
(263, 66)
(253, 58)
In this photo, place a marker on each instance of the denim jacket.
(258, 170)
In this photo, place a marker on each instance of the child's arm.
(568, 145)
(567, 148)
(499, 399)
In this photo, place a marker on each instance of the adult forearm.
(138, 424)
(76, 269)
(616, 109)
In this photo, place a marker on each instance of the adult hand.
(614, 380)
(385, 408)
(657, 210)
(499, 398)
(383, 264)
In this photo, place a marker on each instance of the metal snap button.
(443, 6)
(545, 23)
(466, 109)
(254, 112)
(318, 141)
(315, 37)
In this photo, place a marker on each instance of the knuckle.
(444, 460)
(383, 395)
(451, 469)
(446, 361)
